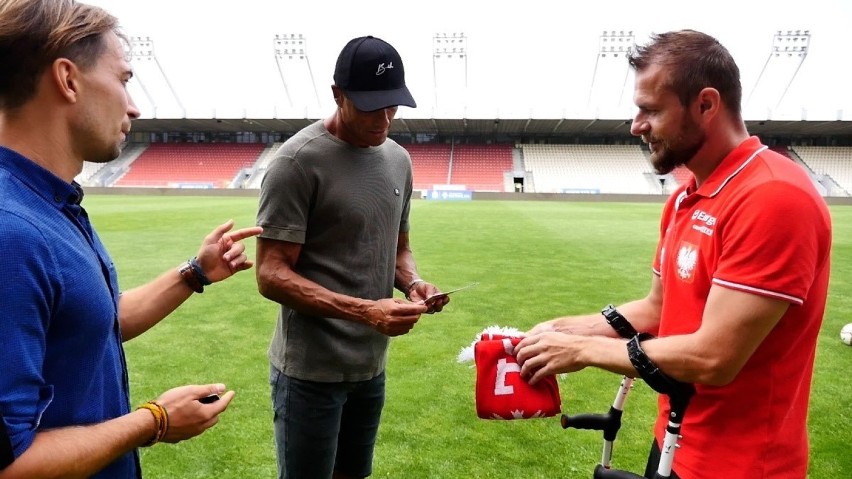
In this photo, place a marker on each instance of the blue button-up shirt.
(61, 356)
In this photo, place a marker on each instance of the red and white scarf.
(500, 391)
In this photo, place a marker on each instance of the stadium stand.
(831, 167)
(496, 146)
(476, 167)
(430, 163)
(89, 170)
(190, 165)
(589, 169)
(95, 174)
(480, 167)
(255, 177)
(547, 168)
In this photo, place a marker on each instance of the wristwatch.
(187, 272)
(618, 322)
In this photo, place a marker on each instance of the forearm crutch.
(609, 422)
(678, 393)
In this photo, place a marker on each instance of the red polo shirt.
(756, 225)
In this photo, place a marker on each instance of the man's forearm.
(141, 308)
(310, 298)
(80, 452)
(405, 272)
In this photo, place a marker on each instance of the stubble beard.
(680, 150)
(110, 155)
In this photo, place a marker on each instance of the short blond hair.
(34, 33)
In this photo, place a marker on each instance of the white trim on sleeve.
(762, 292)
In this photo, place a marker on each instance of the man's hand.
(549, 353)
(430, 295)
(188, 416)
(394, 317)
(542, 327)
(222, 254)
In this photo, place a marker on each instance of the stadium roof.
(496, 127)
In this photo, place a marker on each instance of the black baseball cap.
(369, 70)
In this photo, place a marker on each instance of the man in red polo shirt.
(740, 276)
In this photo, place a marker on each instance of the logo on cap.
(382, 68)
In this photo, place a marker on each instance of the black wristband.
(202, 278)
(618, 322)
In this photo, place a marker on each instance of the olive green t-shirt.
(346, 206)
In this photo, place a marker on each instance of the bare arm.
(406, 272)
(278, 281)
(643, 314)
(81, 451)
(733, 326)
(221, 255)
(139, 311)
(406, 269)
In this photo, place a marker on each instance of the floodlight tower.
(449, 49)
(786, 45)
(613, 44)
(142, 50)
(292, 48)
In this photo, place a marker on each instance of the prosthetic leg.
(679, 394)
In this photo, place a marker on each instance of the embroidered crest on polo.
(687, 257)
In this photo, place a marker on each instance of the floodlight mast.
(787, 44)
(449, 46)
(311, 74)
(800, 50)
(142, 48)
(280, 46)
(612, 44)
(293, 47)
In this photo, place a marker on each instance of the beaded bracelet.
(161, 419)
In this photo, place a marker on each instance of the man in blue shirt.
(64, 400)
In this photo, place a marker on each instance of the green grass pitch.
(533, 261)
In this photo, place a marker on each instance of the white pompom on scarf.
(466, 353)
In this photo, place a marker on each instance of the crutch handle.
(604, 473)
(597, 422)
(609, 423)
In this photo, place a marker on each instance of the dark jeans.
(325, 427)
